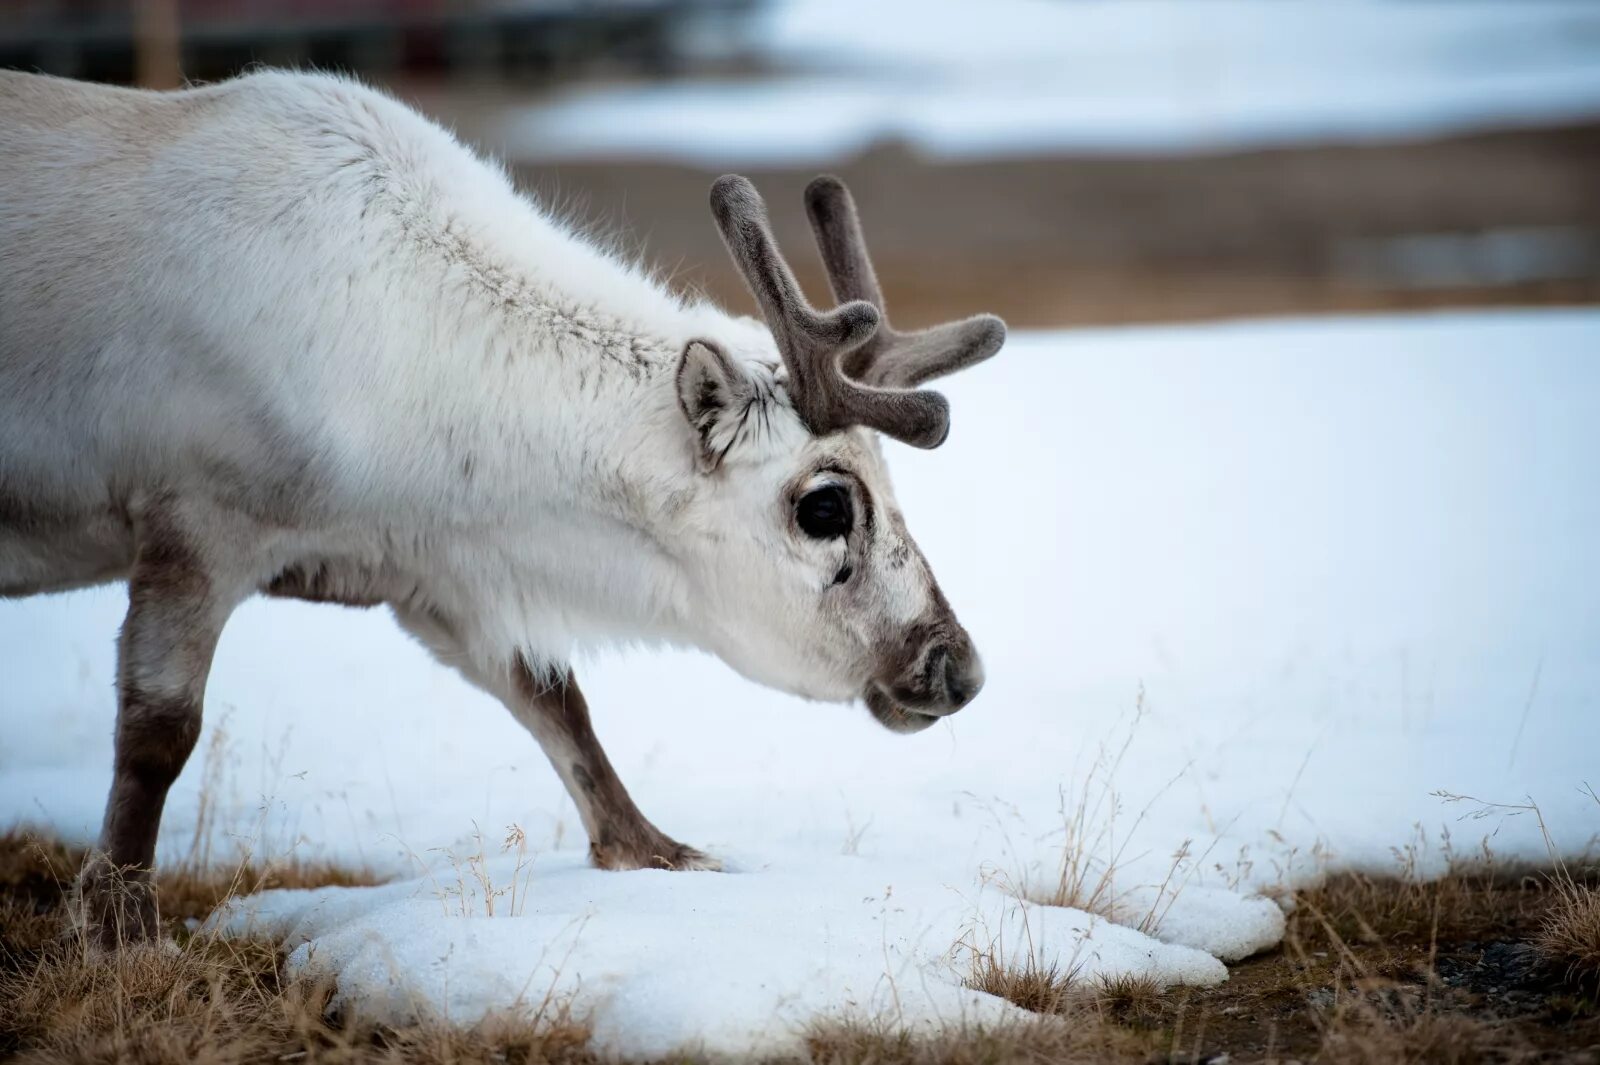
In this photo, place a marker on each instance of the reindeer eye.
(824, 513)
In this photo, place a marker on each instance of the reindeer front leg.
(553, 709)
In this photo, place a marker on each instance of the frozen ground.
(1351, 562)
(958, 79)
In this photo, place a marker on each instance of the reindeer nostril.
(960, 684)
(934, 667)
(948, 677)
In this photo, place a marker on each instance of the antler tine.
(891, 359)
(741, 217)
(844, 248)
(812, 341)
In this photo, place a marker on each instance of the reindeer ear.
(713, 393)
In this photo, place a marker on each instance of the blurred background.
(1055, 161)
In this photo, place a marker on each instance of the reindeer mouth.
(894, 717)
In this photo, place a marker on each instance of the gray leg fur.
(554, 710)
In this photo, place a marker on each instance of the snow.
(663, 961)
(961, 80)
(1348, 562)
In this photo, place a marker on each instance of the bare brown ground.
(1097, 240)
(1486, 964)
(1389, 969)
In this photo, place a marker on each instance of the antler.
(813, 342)
(890, 358)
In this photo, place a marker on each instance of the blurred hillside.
(518, 41)
(1052, 160)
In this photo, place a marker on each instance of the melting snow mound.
(723, 963)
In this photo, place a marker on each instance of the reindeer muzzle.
(944, 676)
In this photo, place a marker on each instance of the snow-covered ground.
(1022, 77)
(1349, 562)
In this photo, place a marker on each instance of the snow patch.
(961, 80)
(731, 963)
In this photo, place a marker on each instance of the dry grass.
(1132, 1001)
(1091, 845)
(1569, 935)
(200, 998)
(195, 894)
(1050, 990)
(35, 865)
(1095, 834)
(1408, 906)
(1374, 969)
(1397, 967)
(1445, 1039)
(1042, 989)
(214, 1002)
(1066, 1040)
(473, 885)
(1406, 967)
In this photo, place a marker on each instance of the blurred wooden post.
(155, 43)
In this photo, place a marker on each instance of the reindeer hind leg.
(177, 606)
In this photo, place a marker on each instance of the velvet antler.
(816, 345)
(890, 358)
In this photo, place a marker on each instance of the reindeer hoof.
(656, 852)
(115, 907)
(687, 858)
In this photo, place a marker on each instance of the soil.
(1105, 239)
(1386, 969)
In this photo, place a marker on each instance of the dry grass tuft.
(1130, 1001)
(1095, 835)
(25, 926)
(34, 864)
(1133, 1001)
(1091, 845)
(1031, 986)
(1569, 934)
(474, 886)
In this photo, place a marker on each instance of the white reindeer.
(284, 335)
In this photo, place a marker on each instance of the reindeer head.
(811, 582)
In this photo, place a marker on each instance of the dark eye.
(824, 513)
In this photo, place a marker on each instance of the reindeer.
(284, 335)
